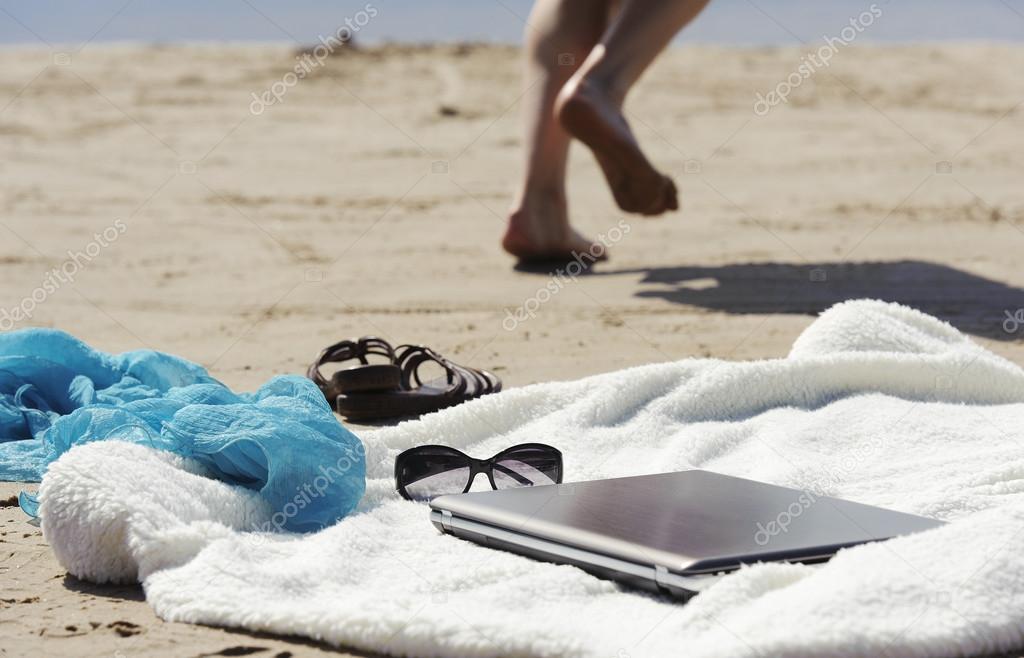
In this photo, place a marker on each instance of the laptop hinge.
(660, 574)
(446, 520)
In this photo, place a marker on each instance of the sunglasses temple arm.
(514, 475)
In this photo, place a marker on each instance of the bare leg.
(590, 104)
(559, 37)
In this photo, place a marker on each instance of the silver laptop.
(673, 533)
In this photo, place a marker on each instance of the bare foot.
(593, 118)
(538, 229)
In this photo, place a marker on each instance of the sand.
(370, 200)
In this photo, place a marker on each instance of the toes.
(649, 196)
(665, 198)
(669, 197)
(672, 195)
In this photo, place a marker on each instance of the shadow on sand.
(971, 303)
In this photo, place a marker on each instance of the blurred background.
(725, 21)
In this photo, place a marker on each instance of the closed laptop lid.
(688, 521)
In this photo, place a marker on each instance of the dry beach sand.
(370, 200)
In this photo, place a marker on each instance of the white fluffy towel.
(876, 403)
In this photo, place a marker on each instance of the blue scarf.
(56, 392)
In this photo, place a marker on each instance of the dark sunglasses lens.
(527, 467)
(430, 473)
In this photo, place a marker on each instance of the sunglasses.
(425, 472)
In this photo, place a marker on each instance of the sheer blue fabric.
(56, 392)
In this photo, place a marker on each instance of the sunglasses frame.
(476, 466)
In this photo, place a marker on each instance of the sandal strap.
(347, 350)
(411, 357)
(472, 382)
(488, 381)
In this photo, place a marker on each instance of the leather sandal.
(396, 389)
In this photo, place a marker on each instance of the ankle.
(592, 86)
(599, 79)
(540, 218)
(539, 195)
